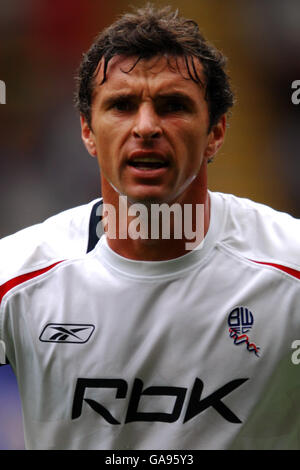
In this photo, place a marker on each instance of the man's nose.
(147, 125)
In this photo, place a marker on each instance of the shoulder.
(62, 236)
(260, 233)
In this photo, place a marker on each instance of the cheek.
(104, 152)
(111, 134)
(105, 140)
(186, 130)
(190, 142)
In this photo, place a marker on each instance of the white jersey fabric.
(66, 235)
(190, 353)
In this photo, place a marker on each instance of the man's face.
(149, 128)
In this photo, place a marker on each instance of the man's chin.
(146, 195)
(147, 199)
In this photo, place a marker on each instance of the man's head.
(149, 32)
(153, 96)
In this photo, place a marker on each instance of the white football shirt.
(190, 353)
(66, 235)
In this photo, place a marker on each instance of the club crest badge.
(240, 321)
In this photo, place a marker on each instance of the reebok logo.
(196, 402)
(66, 333)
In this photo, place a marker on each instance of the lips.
(147, 160)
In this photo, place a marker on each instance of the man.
(144, 343)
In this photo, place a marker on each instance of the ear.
(88, 137)
(215, 138)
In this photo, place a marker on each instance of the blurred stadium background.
(44, 167)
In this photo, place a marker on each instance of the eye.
(172, 106)
(123, 105)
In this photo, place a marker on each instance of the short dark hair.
(149, 32)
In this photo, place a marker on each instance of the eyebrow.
(118, 96)
(177, 95)
(163, 95)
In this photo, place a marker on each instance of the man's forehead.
(171, 68)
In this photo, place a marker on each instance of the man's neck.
(152, 238)
(147, 249)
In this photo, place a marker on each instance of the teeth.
(148, 160)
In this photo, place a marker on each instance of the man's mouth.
(147, 163)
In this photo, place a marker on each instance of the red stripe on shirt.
(292, 272)
(23, 278)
